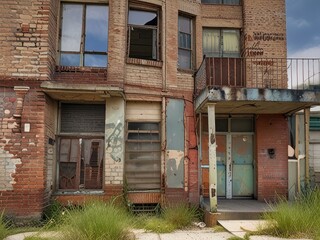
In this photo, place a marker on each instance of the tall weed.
(298, 219)
(97, 221)
(3, 227)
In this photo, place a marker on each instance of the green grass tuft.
(3, 227)
(97, 221)
(171, 218)
(297, 219)
(159, 225)
(180, 215)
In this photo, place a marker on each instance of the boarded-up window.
(143, 148)
(80, 163)
(143, 156)
(82, 118)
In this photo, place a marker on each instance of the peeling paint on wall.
(174, 166)
(175, 143)
(7, 167)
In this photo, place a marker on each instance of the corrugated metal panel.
(175, 143)
(314, 123)
(145, 111)
(143, 146)
(76, 118)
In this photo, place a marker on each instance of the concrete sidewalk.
(190, 234)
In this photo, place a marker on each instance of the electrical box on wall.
(271, 152)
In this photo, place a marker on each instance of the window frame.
(191, 34)
(153, 9)
(85, 136)
(222, 2)
(222, 53)
(82, 52)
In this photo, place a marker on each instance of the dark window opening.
(80, 147)
(80, 163)
(143, 34)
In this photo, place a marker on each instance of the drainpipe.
(212, 158)
(306, 142)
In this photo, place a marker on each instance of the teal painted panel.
(242, 149)
(175, 143)
(221, 165)
(221, 177)
(314, 123)
(242, 157)
(242, 182)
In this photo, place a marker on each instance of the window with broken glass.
(228, 2)
(84, 35)
(185, 42)
(143, 34)
(221, 42)
(81, 147)
(143, 156)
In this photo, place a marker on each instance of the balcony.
(257, 85)
(272, 73)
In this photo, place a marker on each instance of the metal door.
(235, 165)
(242, 165)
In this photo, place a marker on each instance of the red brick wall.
(271, 173)
(24, 196)
(192, 154)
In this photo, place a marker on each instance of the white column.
(212, 158)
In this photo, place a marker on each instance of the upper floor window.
(185, 42)
(221, 42)
(228, 2)
(143, 34)
(84, 35)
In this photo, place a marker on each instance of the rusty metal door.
(235, 165)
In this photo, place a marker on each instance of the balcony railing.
(274, 73)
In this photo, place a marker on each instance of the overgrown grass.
(299, 219)
(171, 218)
(3, 227)
(96, 221)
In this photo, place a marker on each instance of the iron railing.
(273, 73)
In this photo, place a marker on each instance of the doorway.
(235, 158)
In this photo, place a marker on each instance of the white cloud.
(299, 23)
(311, 52)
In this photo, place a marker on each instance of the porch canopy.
(238, 100)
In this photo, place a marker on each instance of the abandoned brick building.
(163, 100)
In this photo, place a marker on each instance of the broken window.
(185, 42)
(143, 34)
(80, 163)
(84, 35)
(143, 156)
(221, 42)
(229, 2)
(81, 146)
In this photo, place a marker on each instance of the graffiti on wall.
(114, 141)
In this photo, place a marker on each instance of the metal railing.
(273, 73)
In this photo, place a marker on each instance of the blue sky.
(303, 28)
